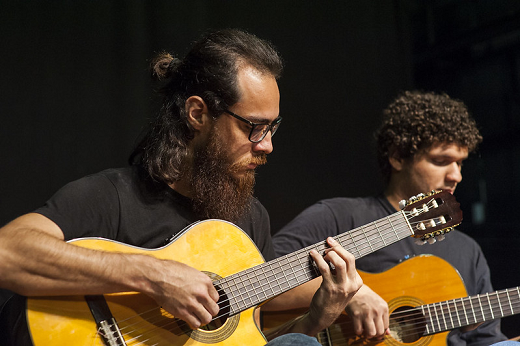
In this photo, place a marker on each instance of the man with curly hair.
(422, 142)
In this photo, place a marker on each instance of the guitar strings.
(418, 322)
(182, 322)
(179, 324)
(368, 232)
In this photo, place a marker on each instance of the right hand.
(185, 292)
(369, 313)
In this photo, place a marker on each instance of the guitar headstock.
(432, 215)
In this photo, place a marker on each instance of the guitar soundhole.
(223, 313)
(407, 325)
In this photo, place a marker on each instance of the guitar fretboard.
(461, 312)
(257, 284)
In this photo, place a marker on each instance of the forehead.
(448, 150)
(259, 95)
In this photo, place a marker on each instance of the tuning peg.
(420, 241)
(440, 237)
(402, 204)
(420, 195)
(431, 240)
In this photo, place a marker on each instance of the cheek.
(237, 153)
(432, 177)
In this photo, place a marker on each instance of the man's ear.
(197, 112)
(395, 161)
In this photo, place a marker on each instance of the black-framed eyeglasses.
(258, 131)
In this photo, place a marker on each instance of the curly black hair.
(416, 120)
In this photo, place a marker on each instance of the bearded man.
(197, 161)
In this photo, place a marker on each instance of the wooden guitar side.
(216, 247)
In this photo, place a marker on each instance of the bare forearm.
(35, 263)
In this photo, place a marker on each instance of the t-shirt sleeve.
(311, 226)
(84, 208)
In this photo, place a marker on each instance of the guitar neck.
(267, 280)
(461, 312)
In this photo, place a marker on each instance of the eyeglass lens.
(260, 131)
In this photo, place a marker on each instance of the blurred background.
(76, 93)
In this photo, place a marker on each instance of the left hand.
(338, 287)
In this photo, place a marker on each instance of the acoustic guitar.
(241, 276)
(426, 298)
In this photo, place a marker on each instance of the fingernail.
(332, 240)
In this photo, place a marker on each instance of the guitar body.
(420, 280)
(241, 276)
(216, 247)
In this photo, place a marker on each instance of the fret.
(353, 249)
(238, 287)
(472, 309)
(435, 321)
(517, 293)
(437, 318)
(484, 315)
(426, 314)
(254, 284)
(324, 338)
(272, 278)
(450, 313)
(457, 313)
(465, 311)
(372, 235)
(491, 307)
(264, 284)
(443, 315)
(509, 301)
(393, 228)
(379, 232)
(305, 275)
(480, 306)
(290, 276)
(368, 242)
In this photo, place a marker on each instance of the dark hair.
(416, 120)
(210, 71)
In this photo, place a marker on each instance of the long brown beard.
(216, 191)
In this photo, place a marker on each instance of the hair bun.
(162, 65)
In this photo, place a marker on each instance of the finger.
(192, 320)
(370, 330)
(344, 254)
(322, 265)
(210, 307)
(358, 326)
(340, 266)
(203, 316)
(379, 328)
(213, 293)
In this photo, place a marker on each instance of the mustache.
(256, 160)
(259, 160)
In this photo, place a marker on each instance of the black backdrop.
(75, 94)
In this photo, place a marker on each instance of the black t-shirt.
(334, 216)
(121, 204)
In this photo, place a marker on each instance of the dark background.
(75, 95)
